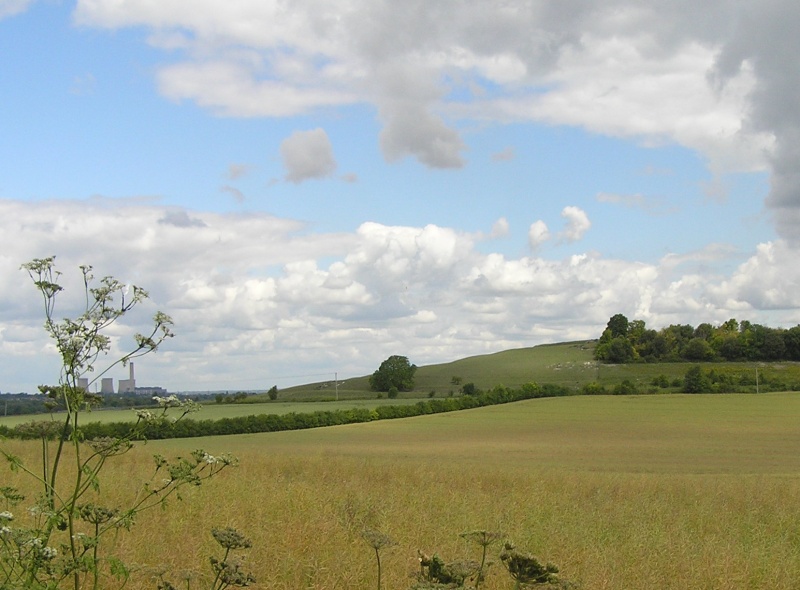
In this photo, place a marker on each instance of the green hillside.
(564, 363)
(570, 364)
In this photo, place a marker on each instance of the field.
(634, 492)
(216, 411)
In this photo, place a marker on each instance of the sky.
(307, 188)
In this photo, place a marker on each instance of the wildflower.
(526, 569)
(230, 538)
(97, 514)
(6, 515)
(230, 573)
(49, 552)
(377, 540)
(167, 402)
(145, 415)
(4, 530)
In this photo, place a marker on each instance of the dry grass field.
(641, 492)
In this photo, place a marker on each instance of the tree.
(618, 325)
(273, 392)
(697, 349)
(618, 350)
(469, 389)
(396, 371)
(695, 381)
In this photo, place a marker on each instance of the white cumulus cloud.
(254, 294)
(538, 234)
(577, 224)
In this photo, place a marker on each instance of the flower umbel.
(230, 538)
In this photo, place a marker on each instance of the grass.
(636, 492)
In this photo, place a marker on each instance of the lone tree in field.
(396, 372)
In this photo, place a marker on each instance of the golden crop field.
(634, 492)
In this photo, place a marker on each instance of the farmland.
(635, 492)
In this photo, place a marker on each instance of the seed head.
(230, 538)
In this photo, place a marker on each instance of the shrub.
(593, 388)
(627, 387)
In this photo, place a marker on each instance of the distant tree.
(396, 371)
(695, 381)
(619, 350)
(469, 389)
(697, 349)
(704, 331)
(618, 325)
(273, 392)
(456, 381)
(791, 341)
(729, 346)
(774, 346)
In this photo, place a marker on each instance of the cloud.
(307, 155)
(577, 224)
(499, 228)
(538, 234)
(12, 7)
(722, 82)
(254, 294)
(412, 131)
(237, 195)
(180, 219)
(237, 171)
(764, 44)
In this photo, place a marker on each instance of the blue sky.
(309, 189)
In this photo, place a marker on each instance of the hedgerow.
(188, 428)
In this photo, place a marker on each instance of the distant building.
(151, 391)
(107, 385)
(83, 382)
(128, 385)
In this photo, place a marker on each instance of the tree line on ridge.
(625, 341)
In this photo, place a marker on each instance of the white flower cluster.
(145, 415)
(224, 459)
(49, 552)
(167, 402)
(45, 551)
(5, 516)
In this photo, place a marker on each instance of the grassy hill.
(570, 364)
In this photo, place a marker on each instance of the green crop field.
(634, 492)
(216, 411)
